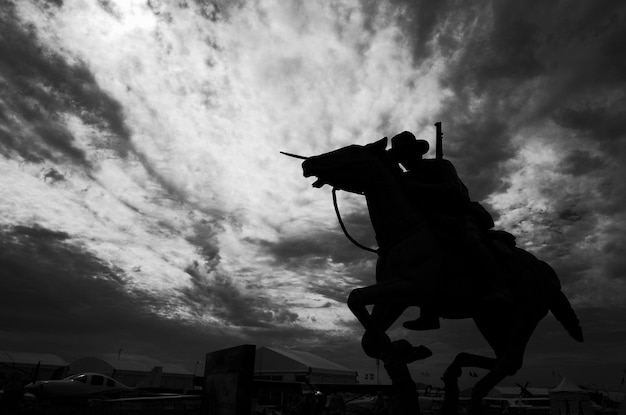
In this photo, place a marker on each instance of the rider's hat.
(406, 142)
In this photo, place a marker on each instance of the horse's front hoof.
(375, 343)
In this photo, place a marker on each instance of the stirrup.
(418, 353)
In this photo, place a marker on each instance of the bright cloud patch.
(187, 195)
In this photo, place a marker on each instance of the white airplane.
(85, 385)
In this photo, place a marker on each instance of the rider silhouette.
(434, 187)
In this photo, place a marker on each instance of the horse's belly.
(414, 261)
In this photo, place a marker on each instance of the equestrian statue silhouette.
(426, 259)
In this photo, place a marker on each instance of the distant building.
(131, 373)
(287, 365)
(569, 398)
(516, 392)
(25, 365)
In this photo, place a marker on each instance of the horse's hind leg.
(509, 361)
(453, 373)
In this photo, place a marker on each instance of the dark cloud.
(45, 282)
(613, 258)
(511, 65)
(203, 239)
(58, 3)
(38, 87)
(320, 246)
(111, 8)
(315, 251)
(580, 163)
(479, 147)
(216, 294)
(521, 41)
(604, 123)
(423, 22)
(57, 298)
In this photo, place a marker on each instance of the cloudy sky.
(144, 205)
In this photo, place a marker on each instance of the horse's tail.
(561, 308)
(563, 311)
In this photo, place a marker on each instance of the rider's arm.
(447, 185)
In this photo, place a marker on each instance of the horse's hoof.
(374, 344)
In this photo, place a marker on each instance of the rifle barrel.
(438, 142)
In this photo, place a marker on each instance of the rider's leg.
(490, 275)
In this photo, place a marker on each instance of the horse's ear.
(379, 145)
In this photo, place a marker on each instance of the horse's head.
(350, 168)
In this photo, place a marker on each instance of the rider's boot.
(426, 321)
(406, 352)
(419, 353)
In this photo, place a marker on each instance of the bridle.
(345, 231)
(343, 227)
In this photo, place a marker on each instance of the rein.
(345, 231)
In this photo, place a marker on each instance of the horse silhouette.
(417, 266)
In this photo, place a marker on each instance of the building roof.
(177, 370)
(110, 365)
(31, 358)
(277, 359)
(567, 386)
(515, 391)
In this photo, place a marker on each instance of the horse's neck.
(391, 213)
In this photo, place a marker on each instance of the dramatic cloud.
(144, 199)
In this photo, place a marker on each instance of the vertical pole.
(378, 371)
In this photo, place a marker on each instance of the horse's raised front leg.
(384, 313)
(390, 299)
(396, 293)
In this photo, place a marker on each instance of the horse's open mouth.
(308, 172)
(317, 183)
